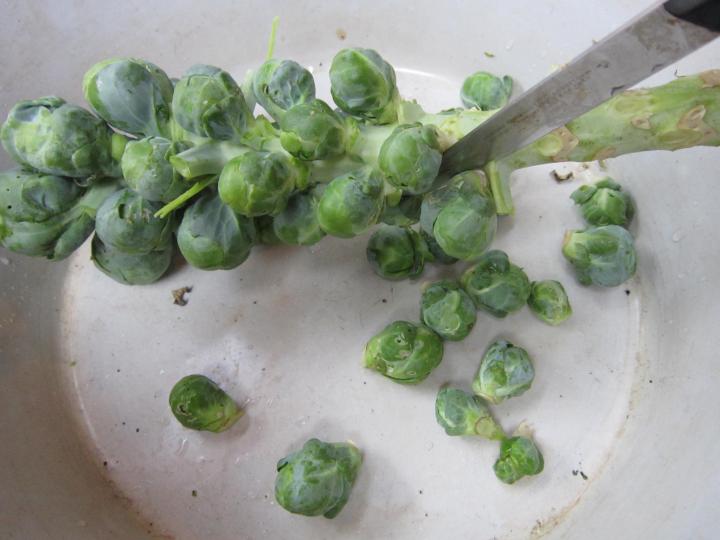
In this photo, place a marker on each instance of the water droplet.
(677, 236)
(182, 447)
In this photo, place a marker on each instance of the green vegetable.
(278, 85)
(317, 480)
(549, 302)
(448, 310)
(438, 255)
(410, 158)
(198, 403)
(602, 256)
(403, 214)
(404, 352)
(496, 285)
(505, 371)
(265, 231)
(351, 204)
(518, 457)
(131, 94)
(312, 131)
(147, 170)
(485, 91)
(604, 203)
(397, 252)
(460, 413)
(212, 236)
(131, 269)
(298, 222)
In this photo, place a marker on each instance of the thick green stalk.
(196, 188)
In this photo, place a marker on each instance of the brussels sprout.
(298, 223)
(602, 256)
(208, 102)
(317, 480)
(410, 157)
(549, 301)
(403, 214)
(404, 352)
(213, 237)
(604, 203)
(496, 285)
(312, 131)
(126, 222)
(198, 403)
(146, 168)
(460, 413)
(363, 85)
(265, 231)
(131, 269)
(351, 204)
(438, 255)
(131, 94)
(448, 310)
(485, 91)
(519, 457)
(259, 183)
(279, 85)
(54, 137)
(396, 252)
(505, 371)
(36, 197)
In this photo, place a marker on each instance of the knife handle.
(705, 13)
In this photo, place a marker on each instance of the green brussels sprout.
(505, 371)
(396, 252)
(549, 301)
(317, 480)
(602, 256)
(404, 352)
(265, 231)
(259, 183)
(604, 203)
(460, 413)
(410, 157)
(485, 91)
(363, 85)
(448, 310)
(131, 94)
(351, 203)
(298, 223)
(198, 403)
(54, 137)
(312, 131)
(147, 170)
(208, 102)
(131, 269)
(126, 222)
(47, 216)
(519, 456)
(278, 85)
(403, 214)
(438, 255)
(212, 236)
(496, 285)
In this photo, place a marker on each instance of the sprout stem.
(273, 35)
(173, 205)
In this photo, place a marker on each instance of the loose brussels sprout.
(549, 301)
(485, 91)
(496, 285)
(438, 255)
(403, 214)
(298, 223)
(396, 252)
(363, 85)
(54, 137)
(131, 269)
(126, 222)
(602, 256)
(259, 183)
(448, 310)
(279, 85)
(317, 480)
(518, 457)
(410, 157)
(208, 102)
(604, 203)
(312, 131)
(146, 168)
(460, 413)
(198, 403)
(212, 236)
(265, 231)
(351, 204)
(404, 352)
(505, 371)
(131, 94)
(47, 216)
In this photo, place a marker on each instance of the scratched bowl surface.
(625, 404)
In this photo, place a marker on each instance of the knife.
(653, 40)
